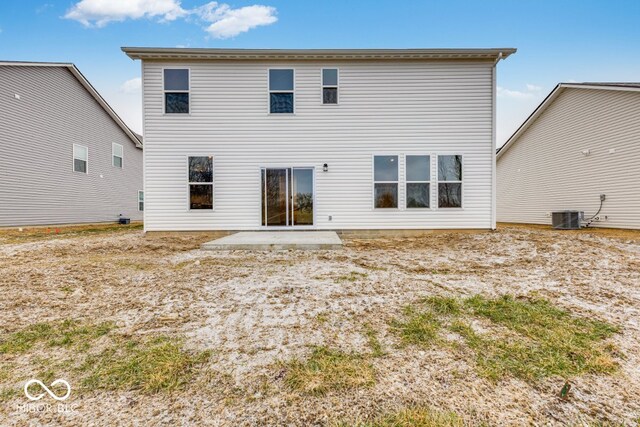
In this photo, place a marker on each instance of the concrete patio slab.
(276, 240)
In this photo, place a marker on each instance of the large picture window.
(329, 85)
(281, 88)
(200, 182)
(418, 177)
(385, 181)
(80, 158)
(176, 91)
(450, 181)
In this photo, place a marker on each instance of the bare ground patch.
(307, 338)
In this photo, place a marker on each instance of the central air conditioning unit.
(567, 220)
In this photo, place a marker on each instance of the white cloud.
(131, 86)
(508, 93)
(227, 22)
(532, 91)
(222, 20)
(101, 12)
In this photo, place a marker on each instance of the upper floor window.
(176, 91)
(329, 85)
(450, 181)
(201, 182)
(117, 155)
(418, 177)
(80, 158)
(385, 181)
(281, 88)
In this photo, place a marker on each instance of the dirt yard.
(149, 330)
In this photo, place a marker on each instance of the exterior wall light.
(325, 168)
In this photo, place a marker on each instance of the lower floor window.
(200, 196)
(449, 195)
(140, 200)
(450, 181)
(386, 195)
(201, 182)
(417, 195)
(385, 182)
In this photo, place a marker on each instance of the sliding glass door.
(287, 197)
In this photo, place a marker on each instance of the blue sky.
(556, 40)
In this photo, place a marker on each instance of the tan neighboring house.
(66, 155)
(582, 142)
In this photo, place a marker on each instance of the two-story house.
(241, 139)
(66, 155)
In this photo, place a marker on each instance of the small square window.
(117, 154)
(176, 79)
(281, 91)
(80, 158)
(281, 80)
(329, 85)
(176, 103)
(176, 91)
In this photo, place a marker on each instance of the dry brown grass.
(251, 310)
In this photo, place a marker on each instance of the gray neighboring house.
(66, 155)
(581, 142)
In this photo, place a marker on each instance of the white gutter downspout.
(493, 144)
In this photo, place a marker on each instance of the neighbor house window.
(116, 154)
(329, 85)
(201, 182)
(450, 181)
(176, 91)
(140, 200)
(385, 181)
(418, 177)
(80, 158)
(281, 91)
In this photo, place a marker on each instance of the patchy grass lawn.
(516, 327)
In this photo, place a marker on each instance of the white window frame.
(323, 86)
(140, 201)
(438, 182)
(374, 182)
(189, 184)
(164, 92)
(73, 161)
(113, 155)
(406, 180)
(293, 92)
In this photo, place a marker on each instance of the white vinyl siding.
(435, 107)
(545, 170)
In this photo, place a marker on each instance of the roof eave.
(150, 53)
